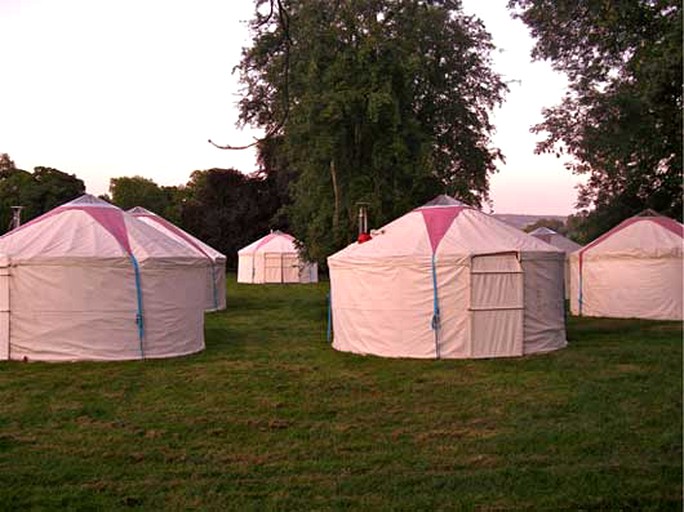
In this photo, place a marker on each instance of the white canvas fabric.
(632, 271)
(89, 282)
(564, 244)
(447, 281)
(274, 258)
(216, 270)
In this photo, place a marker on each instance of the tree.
(54, 187)
(384, 101)
(37, 192)
(621, 120)
(277, 178)
(176, 197)
(228, 209)
(127, 192)
(579, 228)
(6, 163)
(16, 189)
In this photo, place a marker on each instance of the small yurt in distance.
(564, 244)
(274, 259)
(632, 271)
(448, 281)
(87, 281)
(216, 271)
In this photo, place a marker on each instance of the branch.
(273, 131)
(284, 20)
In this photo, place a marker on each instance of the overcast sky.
(109, 88)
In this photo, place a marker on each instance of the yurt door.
(496, 305)
(273, 268)
(290, 268)
(4, 307)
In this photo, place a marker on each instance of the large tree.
(6, 163)
(621, 120)
(228, 209)
(381, 101)
(129, 191)
(36, 192)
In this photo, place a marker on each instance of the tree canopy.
(228, 209)
(621, 120)
(127, 192)
(381, 101)
(37, 192)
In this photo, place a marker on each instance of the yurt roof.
(543, 231)
(89, 227)
(647, 234)
(274, 242)
(445, 200)
(175, 232)
(452, 229)
(556, 239)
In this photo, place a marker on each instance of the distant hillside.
(520, 221)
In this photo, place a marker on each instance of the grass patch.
(269, 417)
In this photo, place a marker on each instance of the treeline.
(223, 207)
(37, 192)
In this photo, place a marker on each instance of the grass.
(269, 417)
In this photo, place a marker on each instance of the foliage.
(176, 197)
(383, 101)
(228, 209)
(128, 192)
(53, 188)
(6, 163)
(621, 121)
(37, 192)
(269, 417)
(579, 228)
(278, 177)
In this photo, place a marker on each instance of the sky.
(112, 88)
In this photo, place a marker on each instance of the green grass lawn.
(269, 417)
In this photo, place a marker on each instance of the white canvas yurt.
(216, 271)
(274, 259)
(564, 244)
(632, 271)
(447, 281)
(86, 281)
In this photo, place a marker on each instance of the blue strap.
(436, 321)
(329, 317)
(139, 315)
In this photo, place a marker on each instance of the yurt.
(86, 281)
(632, 271)
(274, 259)
(447, 281)
(216, 270)
(564, 244)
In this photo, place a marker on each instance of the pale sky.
(110, 88)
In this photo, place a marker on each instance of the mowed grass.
(269, 417)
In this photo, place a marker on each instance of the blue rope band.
(436, 320)
(139, 316)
